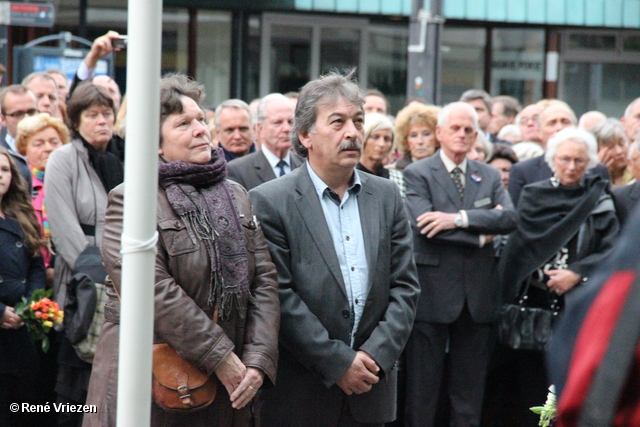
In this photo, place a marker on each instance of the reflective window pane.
(339, 49)
(213, 68)
(517, 67)
(631, 43)
(290, 57)
(604, 87)
(462, 61)
(592, 41)
(387, 65)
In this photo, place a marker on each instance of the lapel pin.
(476, 178)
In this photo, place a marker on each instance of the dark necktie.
(456, 175)
(281, 164)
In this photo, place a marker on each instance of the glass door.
(298, 48)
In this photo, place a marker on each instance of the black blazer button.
(345, 314)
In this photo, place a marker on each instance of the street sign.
(27, 14)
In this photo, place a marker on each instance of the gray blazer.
(316, 324)
(451, 266)
(254, 169)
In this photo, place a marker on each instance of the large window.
(463, 56)
(517, 64)
(599, 70)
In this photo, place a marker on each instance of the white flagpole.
(140, 198)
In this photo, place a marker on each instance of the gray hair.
(608, 131)
(473, 94)
(487, 146)
(324, 91)
(38, 75)
(510, 106)
(627, 111)
(443, 115)
(510, 130)
(262, 107)
(238, 104)
(580, 136)
(374, 122)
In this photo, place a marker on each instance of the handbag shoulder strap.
(602, 400)
(215, 313)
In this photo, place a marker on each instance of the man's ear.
(305, 140)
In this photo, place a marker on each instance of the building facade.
(586, 52)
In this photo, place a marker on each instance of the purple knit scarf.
(202, 198)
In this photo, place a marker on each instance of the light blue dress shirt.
(343, 220)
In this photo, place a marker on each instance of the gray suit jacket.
(451, 265)
(254, 169)
(316, 321)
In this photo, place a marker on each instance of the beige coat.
(183, 318)
(75, 195)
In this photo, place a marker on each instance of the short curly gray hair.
(323, 91)
(572, 134)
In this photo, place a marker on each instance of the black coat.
(536, 169)
(20, 275)
(626, 198)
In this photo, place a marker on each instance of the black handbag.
(522, 327)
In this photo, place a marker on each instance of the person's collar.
(354, 186)
(273, 159)
(11, 141)
(450, 165)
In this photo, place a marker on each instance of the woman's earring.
(554, 181)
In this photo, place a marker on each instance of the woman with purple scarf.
(212, 264)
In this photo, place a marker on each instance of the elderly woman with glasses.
(567, 225)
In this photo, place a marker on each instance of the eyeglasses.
(578, 161)
(525, 120)
(18, 115)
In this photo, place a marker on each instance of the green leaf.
(537, 409)
(45, 344)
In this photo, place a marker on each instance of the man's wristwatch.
(458, 220)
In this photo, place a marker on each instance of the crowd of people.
(330, 264)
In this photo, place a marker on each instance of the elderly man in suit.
(341, 242)
(275, 159)
(455, 205)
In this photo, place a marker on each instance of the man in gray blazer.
(275, 159)
(341, 242)
(455, 206)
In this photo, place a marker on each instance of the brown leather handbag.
(179, 386)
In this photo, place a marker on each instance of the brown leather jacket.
(182, 317)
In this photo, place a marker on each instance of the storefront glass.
(463, 57)
(517, 64)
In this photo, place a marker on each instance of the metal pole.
(139, 227)
(425, 29)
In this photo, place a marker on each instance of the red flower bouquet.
(39, 315)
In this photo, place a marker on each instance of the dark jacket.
(20, 275)
(626, 198)
(535, 241)
(183, 318)
(254, 169)
(536, 169)
(453, 269)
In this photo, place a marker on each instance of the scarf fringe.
(235, 301)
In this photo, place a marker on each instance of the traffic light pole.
(425, 56)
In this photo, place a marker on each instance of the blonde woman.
(415, 138)
(378, 142)
(37, 137)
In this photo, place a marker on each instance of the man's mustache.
(350, 144)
